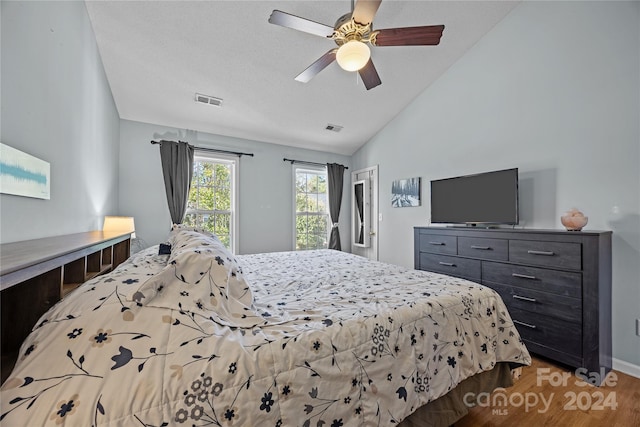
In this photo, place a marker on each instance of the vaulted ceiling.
(158, 54)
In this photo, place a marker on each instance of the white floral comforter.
(336, 340)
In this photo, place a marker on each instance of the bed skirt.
(451, 407)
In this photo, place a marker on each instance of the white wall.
(266, 186)
(554, 90)
(56, 105)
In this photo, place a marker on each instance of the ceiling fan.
(351, 32)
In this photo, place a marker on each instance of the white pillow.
(176, 229)
(186, 239)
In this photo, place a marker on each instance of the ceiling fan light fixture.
(353, 55)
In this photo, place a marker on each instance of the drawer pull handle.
(448, 264)
(523, 276)
(437, 243)
(517, 322)
(482, 248)
(524, 298)
(547, 253)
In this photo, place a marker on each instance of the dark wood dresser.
(36, 274)
(556, 284)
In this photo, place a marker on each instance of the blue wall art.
(23, 175)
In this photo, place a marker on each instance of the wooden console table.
(36, 274)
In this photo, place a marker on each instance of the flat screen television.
(484, 198)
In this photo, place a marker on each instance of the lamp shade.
(353, 55)
(119, 224)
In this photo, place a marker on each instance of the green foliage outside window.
(311, 210)
(209, 204)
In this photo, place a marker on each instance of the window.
(212, 197)
(311, 211)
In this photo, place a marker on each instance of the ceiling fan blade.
(409, 36)
(369, 75)
(317, 66)
(365, 10)
(301, 24)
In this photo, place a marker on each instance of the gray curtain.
(177, 169)
(335, 174)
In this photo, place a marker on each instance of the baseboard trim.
(626, 367)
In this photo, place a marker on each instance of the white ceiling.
(158, 54)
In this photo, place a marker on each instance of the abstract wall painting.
(23, 175)
(405, 192)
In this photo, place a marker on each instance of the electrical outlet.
(638, 327)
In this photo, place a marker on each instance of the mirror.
(360, 210)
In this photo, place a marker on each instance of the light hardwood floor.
(568, 403)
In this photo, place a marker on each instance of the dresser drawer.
(453, 266)
(438, 244)
(564, 283)
(475, 247)
(548, 254)
(565, 308)
(556, 334)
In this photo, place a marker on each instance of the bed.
(312, 338)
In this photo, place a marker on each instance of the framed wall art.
(405, 192)
(21, 174)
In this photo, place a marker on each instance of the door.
(364, 212)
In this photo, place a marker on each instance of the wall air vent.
(206, 99)
(333, 128)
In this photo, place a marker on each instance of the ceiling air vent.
(206, 99)
(333, 128)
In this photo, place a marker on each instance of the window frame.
(233, 161)
(313, 169)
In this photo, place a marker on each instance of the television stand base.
(474, 226)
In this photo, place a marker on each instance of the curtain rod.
(306, 163)
(215, 150)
